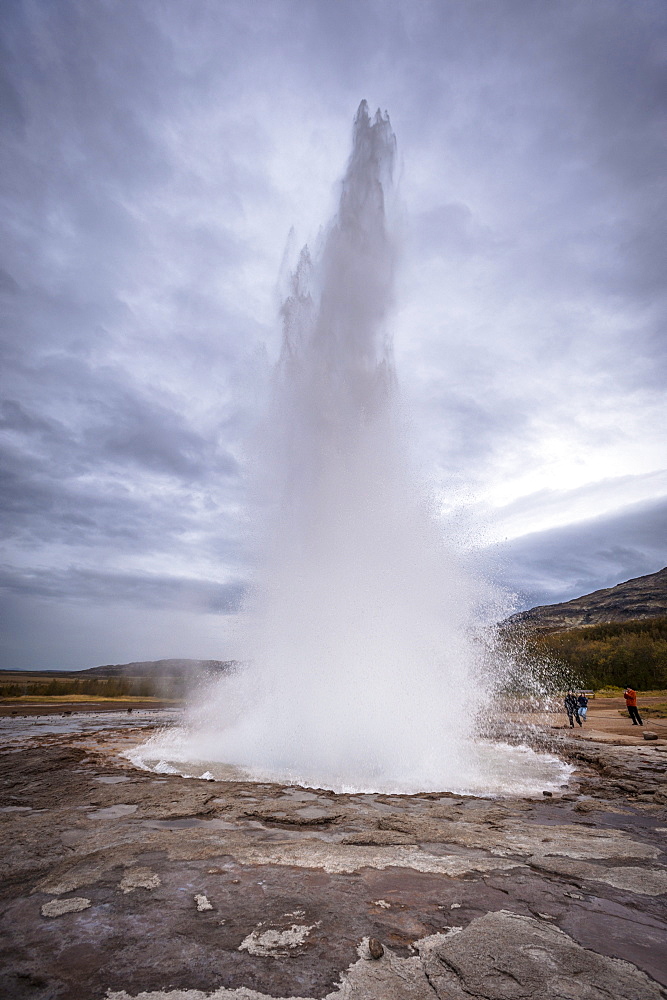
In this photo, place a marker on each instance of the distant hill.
(642, 598)
(172, 680)
(159, 668)
(152, 670)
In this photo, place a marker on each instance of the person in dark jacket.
(582, 706)
(571, 708)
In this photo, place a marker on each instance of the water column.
(365, 666)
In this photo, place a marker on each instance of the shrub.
(610, 655)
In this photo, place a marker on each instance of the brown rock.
(503, 955)
(375, 948)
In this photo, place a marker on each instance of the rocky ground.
(59, 706)
(121, 883)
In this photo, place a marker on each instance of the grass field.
(658, 711)
(78, 699)
(70, 687)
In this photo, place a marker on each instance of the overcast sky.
(155, 157)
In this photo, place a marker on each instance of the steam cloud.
(364, 670)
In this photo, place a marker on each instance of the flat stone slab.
(57, 907)
(120, 881)
(504, 956)
(500, 956)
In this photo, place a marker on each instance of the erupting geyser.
(363, 667)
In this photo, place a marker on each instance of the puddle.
(113, 812)
(313, 812)
(16, 728)
(300, 795)
(187, 822)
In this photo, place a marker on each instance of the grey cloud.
(104, 515)
(90, 490)
(14, 417)
(564, 124)
(127, 427)
(140, 151)
(558, 565)
(39, 509)
(473, 426)
(452, 228)
(149, 590)
(617, 492)
(105, 418)
(7, 283)
(466, 418)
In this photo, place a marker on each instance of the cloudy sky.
(155, 157)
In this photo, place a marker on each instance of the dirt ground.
(605, 720)
(120, 883)
(51, 706)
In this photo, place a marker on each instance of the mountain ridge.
(170, 667)
(639, 598)
(165, 668)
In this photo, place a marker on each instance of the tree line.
(609, 655)
(96, 687)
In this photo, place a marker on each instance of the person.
(582, 702)
(571, 708)
(631, 702)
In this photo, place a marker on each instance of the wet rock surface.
(503, 955)
(120, 882)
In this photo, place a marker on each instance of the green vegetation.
(650, 711)
(608, 656)
(92, 687)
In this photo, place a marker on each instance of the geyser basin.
(366, 664)
(491, 768)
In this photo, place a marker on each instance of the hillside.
(158, 668)
(170, 679)
(644, 597)
(609, 655)
(152, 669)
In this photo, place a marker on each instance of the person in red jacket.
(631, 702)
